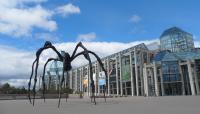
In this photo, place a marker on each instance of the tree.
(7, 89)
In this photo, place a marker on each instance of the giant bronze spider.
(66, 59)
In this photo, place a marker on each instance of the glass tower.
(176, 40)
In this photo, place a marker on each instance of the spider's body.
(67, 62)
(66, 59)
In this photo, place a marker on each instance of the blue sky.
(110, 20)
(105, 26)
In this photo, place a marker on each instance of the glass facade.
(176, 40)
(126, 74)
(175, 76)
(170, 70)
(113, 85)
(53, 75)
(197, 65)
(171, 78)
(186, 80)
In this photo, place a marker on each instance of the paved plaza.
(120, 105)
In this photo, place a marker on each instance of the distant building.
(176, 40)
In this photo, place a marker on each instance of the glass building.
(176, 40)
(53, 75)
(138, 71)
(179, 72)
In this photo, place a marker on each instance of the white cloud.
(135, 19)
(21, 17)
(18, 20)
(86, 37)
(16, 64)
(68, 9)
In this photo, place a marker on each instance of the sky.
(100, 24)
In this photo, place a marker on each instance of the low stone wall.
(38, 96)
(15, 96)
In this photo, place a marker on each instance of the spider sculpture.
(66, 59)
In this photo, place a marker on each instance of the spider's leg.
(43, 79)
(49, 45)
(66, 86)
(101, 64)
(62, 80)
(59, 90)
(104, 92)
(86, 55)
(35, 80)
(73, 54)
(38, 53)
(92, 80)
(29, 83)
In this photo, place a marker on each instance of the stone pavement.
(126, 105)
